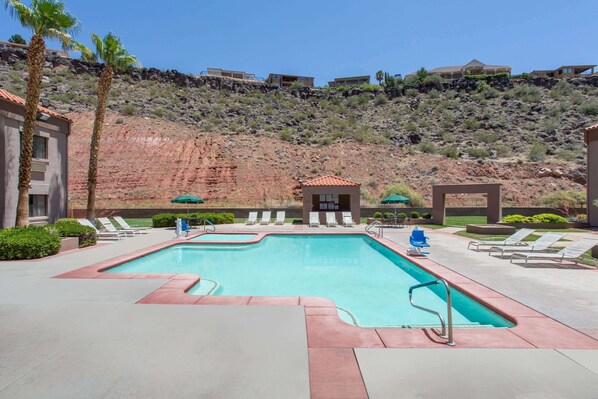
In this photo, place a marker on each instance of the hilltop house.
(49, 52)
(566, 71)
(48, 195)
(473, 67)
(231, 74)
(350, 81)
(279, 80)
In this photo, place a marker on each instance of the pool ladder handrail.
(449, 308)
(206, 222)
(379, 225)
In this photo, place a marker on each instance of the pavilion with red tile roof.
(331, 194)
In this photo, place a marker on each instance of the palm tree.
(115, 57)
(380, 77)
(47, 19)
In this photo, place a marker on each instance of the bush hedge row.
(72, 228)
(30, 242)
(539, 218)
(169, 219)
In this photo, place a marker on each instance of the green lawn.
(139, 222)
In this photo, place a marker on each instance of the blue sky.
(328, 39)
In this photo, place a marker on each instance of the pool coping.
(331, 341)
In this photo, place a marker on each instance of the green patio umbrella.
(187, 199)
(395, 199)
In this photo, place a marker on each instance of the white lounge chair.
(102, 234)
(280, 216)
(266, 216)
(571, 252)
(331, 219)
(252, 218)
(125, 226)
(314, 219)
(515, 239)
(541, 244)
(111, 229)
(348, 219)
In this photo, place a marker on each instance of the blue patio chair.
(418, 241)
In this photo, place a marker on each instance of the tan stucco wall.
(309, 191)
(592, 165)
(53, 182)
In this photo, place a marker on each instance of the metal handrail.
(206, 222)
(449, 308)
(375, 223)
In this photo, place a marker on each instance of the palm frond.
(111, 51)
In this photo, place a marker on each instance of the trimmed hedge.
(402, 215)
(427, 215)
(539, 218)
(414, 215)
(30, 242)
(169, 219)
(377, 215)
(72, 228)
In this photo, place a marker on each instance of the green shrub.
(548, 218)
(477, 152)
(471, 124)
(517, 219)
(72, 228)
(128, 109)
(388, 215)
(28, 243)
(564, 198)
(484, 136)
(200, 217)
(414, 215)
(451, 151)
(380, 100)
(402, 215)
(427, 215)
(164, 220)
(377, 215)
(286, 134)
(537, 152)
(427, 148)
(589, 108)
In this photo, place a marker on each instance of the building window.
(38, 205)
(40, 147)
(276, 77)
(328, 202)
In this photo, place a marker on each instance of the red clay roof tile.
(330, 181)
(4, 95)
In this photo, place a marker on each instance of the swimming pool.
(224, 237)
(368, 282)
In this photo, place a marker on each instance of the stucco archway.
(493, 190)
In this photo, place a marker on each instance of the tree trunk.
(92, 175)
(35, 61)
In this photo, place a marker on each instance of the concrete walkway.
(79, 338)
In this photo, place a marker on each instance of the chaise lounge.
(572, 252)
(314, 219)
(541, 244)
(515, 239)
(331, 219)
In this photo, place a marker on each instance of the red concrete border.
(334, 371)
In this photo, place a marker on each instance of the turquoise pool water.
(224, 237)
(366, 280)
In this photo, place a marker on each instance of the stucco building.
(473, 67)
(566, 71)
(350, 81)
(331, 194)
(591, 139)
(280, 80)
(48, 195)
(231, 74)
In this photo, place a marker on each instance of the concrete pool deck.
(334, 371)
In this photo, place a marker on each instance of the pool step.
(204, 287)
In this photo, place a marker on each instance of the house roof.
(461, 68)
(4, 95)
(331, 181)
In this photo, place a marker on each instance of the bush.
(377, 215)
(589, 108)
(477, 152)
(548, 218)
(380, 100)
(402, 215)
(427, 215)
(28, 243)
(537, 152)
(388, 215)
(517, 219)
(72, 228)
(539, 218)
(414, 215)
(169, 219)
(451, 151)
(427, 148)
(564, 199)
(164, 220)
